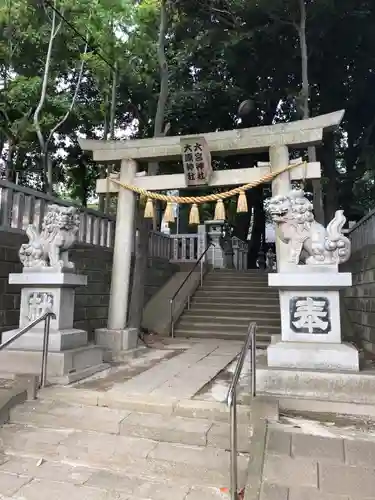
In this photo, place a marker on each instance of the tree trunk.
(328, 159)
(141, 254)
(43, 94)
(9, 163)
(305, 108)
(112, 115)
(103, 169)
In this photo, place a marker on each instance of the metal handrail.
(46, 317)
(232, 402)
(172, 299)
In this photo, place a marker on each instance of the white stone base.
(67, 366)
(313, 356)
(58, 341)
(322, 386)
(116, 341)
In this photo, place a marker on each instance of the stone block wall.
(10, 295)
(358, 301)
(91, 306)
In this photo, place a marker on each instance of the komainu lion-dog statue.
(309, 242)
(49, 248)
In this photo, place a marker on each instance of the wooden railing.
(20, 206)
(184, 247)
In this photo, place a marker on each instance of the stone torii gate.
(275, 138)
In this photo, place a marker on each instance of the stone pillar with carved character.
(48, 282)
(309, 282)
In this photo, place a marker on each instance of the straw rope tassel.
(242, 202)
(149, 209)
(168, 214)
(194, 214)
(219, 210)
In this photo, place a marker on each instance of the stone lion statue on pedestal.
(309, 242)
(49, 248)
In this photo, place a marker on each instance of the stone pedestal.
(42, 291)
(70, 357)
(116, 341)
(215, 255)
(310, 320)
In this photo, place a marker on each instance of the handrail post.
(253, 356)
(43, 375)
(233, 448)
(171, 317)
(250, 344)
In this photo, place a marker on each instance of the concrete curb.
(256, 460)
(263, 409)
(25, 387)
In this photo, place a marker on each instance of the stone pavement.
(138, 432)
(301, 466)
(134, 433)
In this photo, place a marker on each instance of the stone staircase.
(80, 445)
(227, 302)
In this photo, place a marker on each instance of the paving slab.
(58, 414)
(301, 464)
(212, 458)
(32, 441)
(11, 483)
(271, 491)
(39, 489)
(346, 480)
(102, 449)
(138, 487)
(288, 471)
(360, 452)
(182, 376)
(296, 493)
(318, 447)
(218, 436)
(166, 428)
(206, 494)
(279, 442)
(54, 471)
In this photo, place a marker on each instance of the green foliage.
(219, 53)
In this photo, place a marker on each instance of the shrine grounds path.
(151, 429)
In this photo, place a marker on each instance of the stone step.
(240, 289)
(263, 340)
(206, 304)
(239, 278)
(148, 459)
(233, 285)
(222, 310)
(239, 301)
(232, 318)
(173, 429)
(240, 281)
(234, 323)
(247, 272)
(222, 293)
(59, 481)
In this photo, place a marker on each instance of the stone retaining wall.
(358, 304)
(91, 307)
